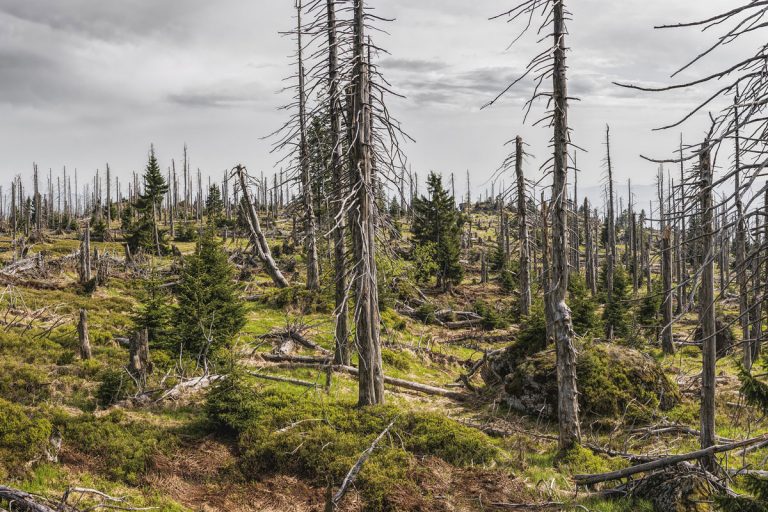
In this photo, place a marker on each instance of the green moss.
(23, 438)
(122, 449)
(24, 383)
(580, 460)
(285, 431)
(395, 359)
(613, 382)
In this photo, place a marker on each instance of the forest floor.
(469, 454)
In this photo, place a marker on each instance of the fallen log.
(23, 500)
(287, 380)
(319, 363)
(666, 461)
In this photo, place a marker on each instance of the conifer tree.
(209, 313)
(214, 205)
(145, 233)
(154, 312)
(438, 221)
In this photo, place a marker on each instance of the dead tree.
(343, 355)
(367, 316)
(591, 272)
(257, 236)
(310, 235)
(139, 364)
(552, 62)
(610, 246)
(82, 334)
(522, 221)
(84, 268)
(707, 305)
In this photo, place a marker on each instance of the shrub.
(493, 317)
(115, 385)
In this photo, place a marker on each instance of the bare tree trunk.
(589, 251)
(666, 272)
(85, 254)
(546, 278)
(367, 319)
(313, 267)
(610, 246)
(82, 334)
(522, 220)
(666, 269)
(259, 240)
(682, 249)
(707, 307)
(343, 353)
(139, 364)
(567, 403)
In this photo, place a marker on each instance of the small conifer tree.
(209, 313)
(438, 221)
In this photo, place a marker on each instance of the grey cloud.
(413, 65)
(103, 19)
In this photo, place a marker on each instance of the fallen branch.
(275, 378)
(355, 470)
(664, 462)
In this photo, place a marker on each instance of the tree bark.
(343, 352)
(367, 316)
(589, 251)
(522, 220)
(610, 246)
(568, 406)
(82, 334)
(666, 270)
(707, 307)
(310, 230)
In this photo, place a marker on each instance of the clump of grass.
(286, 431)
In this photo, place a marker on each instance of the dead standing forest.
(338, 336)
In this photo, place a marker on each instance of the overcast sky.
(86, 82)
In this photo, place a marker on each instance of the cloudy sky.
(86, 82)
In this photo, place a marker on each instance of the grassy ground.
(277, 446)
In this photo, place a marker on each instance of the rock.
(613, 381)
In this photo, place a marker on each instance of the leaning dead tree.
(257, 235)
(551, 63)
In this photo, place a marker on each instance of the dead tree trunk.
(310, 235)
(666, 270)
(567, 403)
(707, 306)
(85, 255)
(82, 334)
(610, 246)
(367, 319)
(139, 363)
(343, 353)
(259, 240)
(522, 220)
(591, 275)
